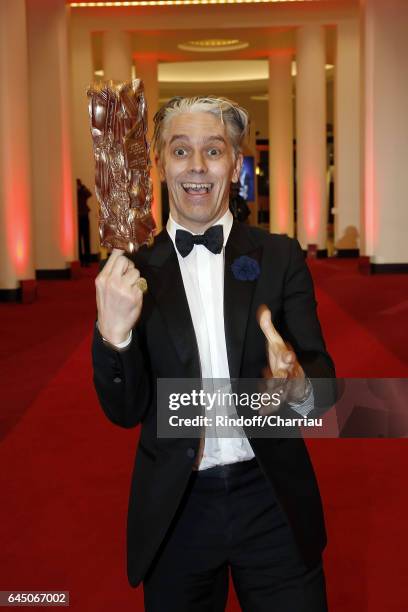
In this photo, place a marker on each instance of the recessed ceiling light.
(211, 45)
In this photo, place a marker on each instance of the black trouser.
(230, 520)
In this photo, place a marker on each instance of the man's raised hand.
(119, 299)
(282, 359)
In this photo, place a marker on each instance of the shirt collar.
(226, 221)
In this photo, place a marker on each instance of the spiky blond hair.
(234, 117)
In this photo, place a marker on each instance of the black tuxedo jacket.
(164, 345)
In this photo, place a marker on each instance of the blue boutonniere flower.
(245, 268)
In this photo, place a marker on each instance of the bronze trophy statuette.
(118, 118)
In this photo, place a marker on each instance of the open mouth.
(197, 188)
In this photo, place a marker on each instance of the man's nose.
(198, 163)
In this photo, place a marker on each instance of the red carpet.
(65, 469)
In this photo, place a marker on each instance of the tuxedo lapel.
(238, 295)
(167, 288)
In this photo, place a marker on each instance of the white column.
(311, 136)
(385, 104)
(16, 248)
(347, 137)
(280, 144)
(53, 197)
(81, 78)
(117, 55)
(147, 70)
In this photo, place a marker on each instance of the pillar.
(311, 136)
(384, 115)
(53, 189)
(81, 77)
(147, 70)
(280, 109)
(117, 55)
(16, 242)
(347, 139)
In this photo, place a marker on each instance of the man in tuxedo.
(201, 508)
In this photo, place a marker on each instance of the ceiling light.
(211, 45)
(173, 3)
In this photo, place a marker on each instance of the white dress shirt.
(203, 278)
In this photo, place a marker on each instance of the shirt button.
(117, 379)
(191, 453)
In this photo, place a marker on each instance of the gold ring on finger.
(142, 284)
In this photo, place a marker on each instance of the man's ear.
(237, 168)
(160, 168)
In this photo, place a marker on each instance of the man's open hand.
(119, 299)
(282, 361)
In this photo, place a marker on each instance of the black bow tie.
(213, 239)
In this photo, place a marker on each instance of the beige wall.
(16, 240)
(52, 185)
(347, 126)
(385, 104)
(81, 76)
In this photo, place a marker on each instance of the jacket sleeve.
(121, 380)
(301, 327)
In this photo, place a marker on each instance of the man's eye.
(214, 152)
(179, 152)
